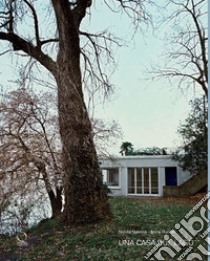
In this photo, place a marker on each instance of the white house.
(141, 175)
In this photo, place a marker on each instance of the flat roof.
(136, 157)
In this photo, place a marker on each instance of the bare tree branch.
(30, 49)
(36, 23)
(186, 60)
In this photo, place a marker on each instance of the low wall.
(189, 187)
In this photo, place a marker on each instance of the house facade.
(141, 175)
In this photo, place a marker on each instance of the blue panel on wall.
(171, 176)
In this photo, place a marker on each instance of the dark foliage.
(127, 149)
(192, 156)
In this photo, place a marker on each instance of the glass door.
(143, 181)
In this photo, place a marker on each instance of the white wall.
(159, 162)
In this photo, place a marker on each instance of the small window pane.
(146, 181)
(131, 181)
(139, 181)
(113, 177)
(154, 181)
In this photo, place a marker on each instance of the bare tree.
(85, 200)
(30, 146)
(187, 55)
(105, 135)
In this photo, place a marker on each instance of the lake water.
(24, 212)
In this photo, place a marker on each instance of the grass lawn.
(136, 227)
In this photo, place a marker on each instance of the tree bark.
(85, 198)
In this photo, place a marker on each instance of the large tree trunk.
(85, 198)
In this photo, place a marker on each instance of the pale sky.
(149, 112)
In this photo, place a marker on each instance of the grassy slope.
(134, 220)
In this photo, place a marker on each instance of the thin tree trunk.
(56, 202)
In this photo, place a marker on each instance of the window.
(131, 181)
(142, 181)
(139, 181)
(154, 181)
(112, 177)
(146, 181)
